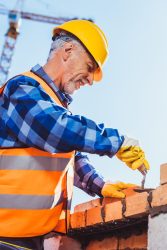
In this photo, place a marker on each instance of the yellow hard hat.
(92, 37)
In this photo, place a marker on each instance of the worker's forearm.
(86, 177)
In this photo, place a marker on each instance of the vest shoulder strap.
(44, 85)
(2, 88)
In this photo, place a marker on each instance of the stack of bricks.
(135, 222)
(111, 209)
(106, 219)
(113, 224)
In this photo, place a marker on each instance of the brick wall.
(113, 224)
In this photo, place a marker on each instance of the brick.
(163, 173)
(94, 203)
(159, 196)
(87, 205)
(129, 192)
(113, 211)
(110, 243)
(77, 220)
(93, 216)
(134, 242)
(137, 205)
(109, 200)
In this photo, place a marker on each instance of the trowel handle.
(142, 169)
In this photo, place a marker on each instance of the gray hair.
(60, 40)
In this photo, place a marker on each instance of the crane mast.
(15, 17)
(9, 45)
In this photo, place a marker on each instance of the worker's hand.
(131, 153)
(115, 189)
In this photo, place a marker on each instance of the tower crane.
(14, 17)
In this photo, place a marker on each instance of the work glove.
(115, 189)
(131, 153)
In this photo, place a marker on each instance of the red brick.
(134, 242)
(159, 196)
(106, 244)
(93, 216)
(137, 205)
(129, 191)
(163, 173)
(109, 200)
(77, 220)
(87, 205)
(113, 211)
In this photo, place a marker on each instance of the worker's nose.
(90, 78)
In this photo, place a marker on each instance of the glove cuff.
(129, 142)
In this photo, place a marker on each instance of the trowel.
(143, 171)
(141, 189)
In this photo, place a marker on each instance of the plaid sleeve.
(86, 177)
(35, 120)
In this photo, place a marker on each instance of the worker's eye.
(90, 68)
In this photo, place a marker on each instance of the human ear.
(67, 49)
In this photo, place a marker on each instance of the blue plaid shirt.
(29, 117)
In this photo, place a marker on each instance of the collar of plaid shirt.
(39, 71)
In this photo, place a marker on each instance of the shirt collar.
(39, 71)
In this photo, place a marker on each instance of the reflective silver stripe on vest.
(13, 201)
(33, 163)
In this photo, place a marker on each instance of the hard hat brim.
(98, 74)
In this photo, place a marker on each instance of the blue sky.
(132, 94)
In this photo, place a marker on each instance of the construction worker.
(42, 143)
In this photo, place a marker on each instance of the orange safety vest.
(35, 187)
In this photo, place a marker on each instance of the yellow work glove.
(131, 153)
(115, 189)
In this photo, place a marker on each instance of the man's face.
(78, 71)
